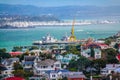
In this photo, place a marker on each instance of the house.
(74, 75)
(87, 49)
(55, 74)
(66, 59)
(41, 67)
(109, 67)
(29, 61)
(8, 63)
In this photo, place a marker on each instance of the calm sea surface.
(20, 37)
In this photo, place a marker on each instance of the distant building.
(66, 59)
(86, 50)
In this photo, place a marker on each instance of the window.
(53, 75)
(57, 65)
(44, 66)
(52, 66)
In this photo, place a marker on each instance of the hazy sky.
(47, 3)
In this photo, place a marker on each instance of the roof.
(29, 58)
(15, 53)
(2, 67)
(56, 71)
(117, 70)
(14, 78)
(10, 61)
(46, 62)
(74, 75)
(118, 57)
(28, 62)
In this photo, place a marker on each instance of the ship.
(49, 41)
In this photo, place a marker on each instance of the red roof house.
(14, 78)
(15, 53)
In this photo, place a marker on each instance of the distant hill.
(65, 12)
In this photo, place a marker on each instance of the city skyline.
(55, 3)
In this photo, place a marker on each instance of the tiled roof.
(29, 58)
(15, 53)
(46, 62)
(14, 78)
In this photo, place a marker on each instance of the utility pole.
(91, 77)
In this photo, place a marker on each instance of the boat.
(48, 41)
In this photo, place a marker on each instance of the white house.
(41, 67)
(8, 63)
(109, 67)
(29, 61)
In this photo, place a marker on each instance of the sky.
(52, 3)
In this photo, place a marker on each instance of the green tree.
(79, 64)
(111, 55)
(4, 54)
(98, 64)
(82, 62)
(33, 48)
(17, 66)
(17, 49)
(73, 65)
(3, 50)
(19, 73)
(92, 52)
(72, 49)
(108, 41)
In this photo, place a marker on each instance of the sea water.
(25, 37)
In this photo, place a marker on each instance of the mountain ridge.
(62, 11)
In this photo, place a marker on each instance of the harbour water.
(24, 37)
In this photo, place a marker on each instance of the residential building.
(66, 58)
(29, 61)
(74, 75)
(86, 50)
(41, 67)
(8, 63)
(109, 68)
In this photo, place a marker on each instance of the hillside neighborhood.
(89, 60)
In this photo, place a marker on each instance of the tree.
(17, 49)
(33, 47)
(4, 54)
(73, 65)
(116, 46)
(108, 41)
(79, 64)
(3, 50)
(111, 55)
(19, 73)
(98, 64)
(72, 49)
(92, 52)
(17, 66)
(83, 62)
